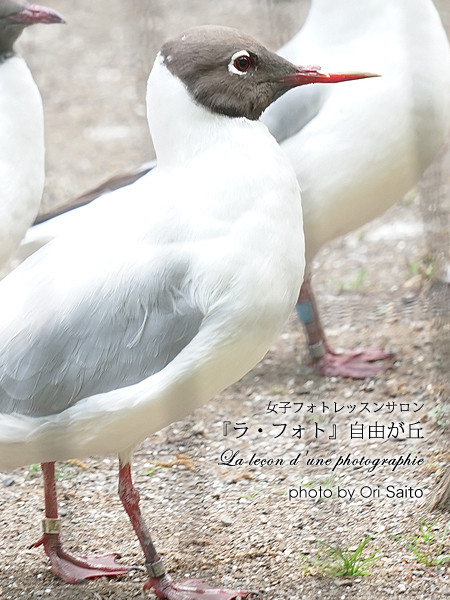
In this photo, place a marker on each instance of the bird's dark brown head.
(232, 74)
(15, 15)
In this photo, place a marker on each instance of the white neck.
(181, 128)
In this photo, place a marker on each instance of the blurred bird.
(356, 149)
(21, 127)
(164, 304)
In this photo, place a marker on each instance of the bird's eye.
(240, 62)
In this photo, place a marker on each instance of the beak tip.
(33, 14)
(350, 76)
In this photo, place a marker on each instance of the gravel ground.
(241, 524)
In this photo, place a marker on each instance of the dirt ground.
(212, 517)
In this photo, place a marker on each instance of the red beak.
(313, 74)
(36, 14)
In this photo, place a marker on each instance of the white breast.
(21, 153)
(368, 142)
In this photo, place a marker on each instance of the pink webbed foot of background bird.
(194, 589)
(356, 364)
(75, 569)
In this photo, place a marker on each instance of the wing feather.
(127, 323)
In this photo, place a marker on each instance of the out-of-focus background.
(383, 285)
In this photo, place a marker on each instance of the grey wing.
(115, 337)
(290, 113)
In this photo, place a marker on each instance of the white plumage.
(21, 153)
(365, 144)
(22, 150)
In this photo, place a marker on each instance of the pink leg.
(160, 581)
(356, 364)
(69, 568)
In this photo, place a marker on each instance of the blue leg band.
(305, 312)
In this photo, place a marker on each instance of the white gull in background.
(356, 149)
(22, 169)
(162, 306)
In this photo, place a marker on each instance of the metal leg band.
(316, 350)
(51, 525)
(156, 569)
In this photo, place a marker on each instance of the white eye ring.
(239, 54)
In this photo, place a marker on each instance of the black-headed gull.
(22, 151)
(356, 149)
(104, 342)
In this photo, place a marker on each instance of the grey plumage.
(80, 349)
